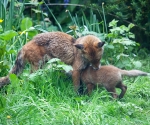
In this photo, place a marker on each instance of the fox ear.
(100, 44)
(79, 46)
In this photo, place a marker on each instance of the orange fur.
(79, 53)
(108, 76)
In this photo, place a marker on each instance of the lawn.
(47, 98)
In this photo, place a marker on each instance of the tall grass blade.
(104, 18)
(86, 21)
(53, 16)
(20, 14)
(11, 14)
(3, 13)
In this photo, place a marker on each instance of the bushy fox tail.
(133, 73)
(17, 68)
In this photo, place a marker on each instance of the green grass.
(47, 98)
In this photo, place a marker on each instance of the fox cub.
(80, 53)
(109, 77)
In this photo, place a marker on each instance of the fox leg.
(81, 88)
(112, 91)
(123, 89)
(34, 68)
(76, 81)
(90, 88)
(39, 63)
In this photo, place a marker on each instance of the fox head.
(91, 50)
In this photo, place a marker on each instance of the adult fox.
(109, 77)
(79, 53)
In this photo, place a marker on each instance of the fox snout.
(95, 67)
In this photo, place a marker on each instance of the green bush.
(132, 11)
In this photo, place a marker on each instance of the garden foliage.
(47, 96)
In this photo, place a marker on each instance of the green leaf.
(117, 41)
(32, 77)
(53, 60)
(124, 28)
(110, 46)
(32, 33)
(111, 35)
(11, 51)
(1, 28)
(39, 28)
(37, 11)
(26, 23)
(131, 35)
(131, 25)
(52, 28)
(2, 51)
(14, 79)
(113, 23)
(8, 35)
(117, 29)
(137, 64)
(128, 42)
(67, 68)
(121, 55)
(124, 41)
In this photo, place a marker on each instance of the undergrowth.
(46, 97)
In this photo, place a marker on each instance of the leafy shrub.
(132, 11)
(119, 46)
(14, 32)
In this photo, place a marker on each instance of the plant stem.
(104, 17)
(53, 17)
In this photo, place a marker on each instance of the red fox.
(80, 53)
(109, 77)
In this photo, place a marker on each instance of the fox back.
(108, 74)
(57, 45)
(104, 75)
(80, 53)
(109, 77)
